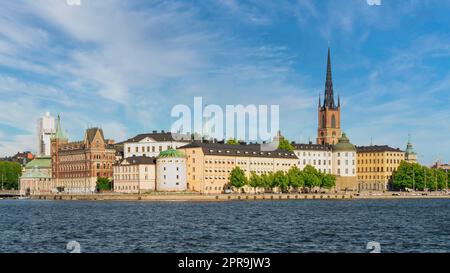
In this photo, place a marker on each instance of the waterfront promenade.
(231, 197)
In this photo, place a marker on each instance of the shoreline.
(225, 197)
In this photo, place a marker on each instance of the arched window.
(333, 121)
(323, 121)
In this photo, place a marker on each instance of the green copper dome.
(344, 144)
(171, 153)
(409, 147)
(39, 162)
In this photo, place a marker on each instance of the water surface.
(421, 225)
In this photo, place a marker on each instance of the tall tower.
(58, 139)
(45, 130)
(329, 114)
(410, 154)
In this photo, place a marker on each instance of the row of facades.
(162, 161)
(158, 161)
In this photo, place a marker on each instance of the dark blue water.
(266, 226)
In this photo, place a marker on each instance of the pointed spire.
(329, 98)
(339, 101)
(59, 134)
(320, 104)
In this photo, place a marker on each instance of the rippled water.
(264, 226)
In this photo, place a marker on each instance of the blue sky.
(123, 65)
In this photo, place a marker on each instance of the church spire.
(59, 134)
(329, 97)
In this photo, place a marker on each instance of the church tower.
(329, 114)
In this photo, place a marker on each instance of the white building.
(45, 129)
(152, 144)
(316, 155)
(344, 158)
(135, 174)
(171, 171)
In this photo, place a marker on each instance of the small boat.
(23, 197)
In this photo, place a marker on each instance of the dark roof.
(138, 160)
(90, 134)
(329, 96)
(376, 148)
(310, 146)
(162, 136)
(249, 150)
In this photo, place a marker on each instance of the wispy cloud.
(124, 64)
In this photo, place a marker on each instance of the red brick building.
(77, 165)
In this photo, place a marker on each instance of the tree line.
(295, 179)
(9, 175)
(418, 177)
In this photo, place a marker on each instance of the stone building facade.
(37, 177)
(136, 174)
(209, 164)
(77, 165)
(317, 155)
(171, 171)
(151, 144)
(375, 165)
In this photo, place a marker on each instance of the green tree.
(285, 146)
(255, 181)
(327, 181)
(403, 177)
(10, 173)
(267, 181)
(311, 177)
(232, 141)
(103, 184)
(281, 180)
(295, 178)
(238, 178)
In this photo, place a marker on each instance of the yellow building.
(375, 165)
(209, 164)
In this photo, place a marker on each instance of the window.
(323, 122)
(333, 122)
